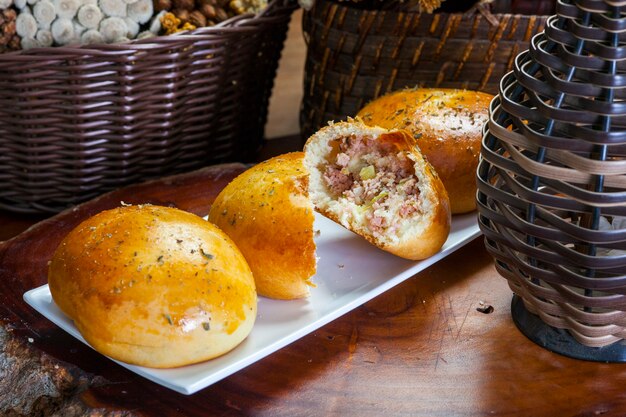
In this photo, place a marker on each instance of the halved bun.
(448, 127)
(267, 212)
(154, 286)
(376, 183)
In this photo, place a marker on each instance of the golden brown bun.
(376, 183)
(154, 286)
(267, 213)
(448, 127)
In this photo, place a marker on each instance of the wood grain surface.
(421, 349)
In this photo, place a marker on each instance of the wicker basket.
(552, 183)
(78, 121)
(356, 55)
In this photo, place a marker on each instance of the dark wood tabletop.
(431, 346)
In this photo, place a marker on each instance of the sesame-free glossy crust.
(267, 212)
(154, 286)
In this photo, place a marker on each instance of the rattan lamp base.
(559, 340)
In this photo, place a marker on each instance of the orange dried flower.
(170, 23)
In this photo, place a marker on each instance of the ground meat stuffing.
(375, 177)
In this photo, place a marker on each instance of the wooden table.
(421, 349)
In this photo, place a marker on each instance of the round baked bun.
(376, 183)
(266, 211)
(154, 286)
(448, 127)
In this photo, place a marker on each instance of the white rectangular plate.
(350, 272)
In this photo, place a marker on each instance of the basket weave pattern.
(356, 55)
(552, 182)
(78, 121)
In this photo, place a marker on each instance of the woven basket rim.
(81, 120)
(471, 12)
(233, 26)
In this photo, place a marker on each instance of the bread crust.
(425, 232)
(154, 286)
(267, 212)
(447, 125)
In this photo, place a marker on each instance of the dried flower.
(221, 14)
(208, 10)
(247, 6)
(66, 8)
(113, 8)
(184, 4)
(44, 37)
(113, 28)
(89, 16)
(9, 40)
(91, 36)
(197, 19)
(140, 11)
(155, 25)
(428, 6)
(187, 26)
(78, 29)
(44, 13)
(133, 28)
(170, 23)
(26, 25)
(60, 22)
(7, 20)
(145, 35)
(29, 43)
(182, 14)
(159, 5)
(63, 31)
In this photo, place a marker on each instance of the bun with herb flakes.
(448, 126)
(154, 286)
(266, 211)
(375, 182)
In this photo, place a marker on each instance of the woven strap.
(552, 176)
(482, 7)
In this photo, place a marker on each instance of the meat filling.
(375, 177)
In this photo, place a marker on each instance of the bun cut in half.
(376, 183)
(154, 286)
(266, 211)
(448, 127)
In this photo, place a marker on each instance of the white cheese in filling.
(373, 184)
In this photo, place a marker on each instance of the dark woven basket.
(78, 121)
(552, 183)
(356, 55)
